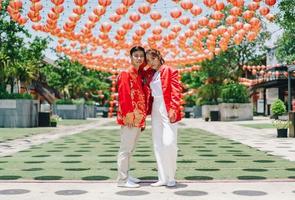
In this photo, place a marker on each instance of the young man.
(131, 114)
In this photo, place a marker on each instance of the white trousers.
(164, 141)
(129, 137)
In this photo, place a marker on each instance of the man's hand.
(172, 116)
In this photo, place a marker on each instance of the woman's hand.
(172, 116)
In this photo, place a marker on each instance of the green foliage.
(234, 93)
(70, 101)
(285, 51)
(278, 107)
(73, 80)
(6, 95)
(281, 124)
(190, 100)
(208, 94)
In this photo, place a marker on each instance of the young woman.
(166, 92)
(131, 114)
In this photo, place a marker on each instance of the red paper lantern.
(175, 13)
(186, 4)
(209, 3)
(122, 10)
(104, 3)
(155, 16)
(128, 2)
(270, 2)
(134, 17)
(144, 9)
(195, 10)
(165, 23)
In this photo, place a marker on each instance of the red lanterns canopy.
(100, 33)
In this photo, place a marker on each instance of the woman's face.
(153, 61)
(137, 58)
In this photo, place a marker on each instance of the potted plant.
(278, 108)
(281, 126)
(53, 120)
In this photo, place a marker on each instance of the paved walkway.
(262, 139)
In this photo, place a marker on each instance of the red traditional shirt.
(171, 88)
(131, 99)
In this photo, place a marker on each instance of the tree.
(73, 80)
(18, 60)
(285, 51)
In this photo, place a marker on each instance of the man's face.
(137, 58)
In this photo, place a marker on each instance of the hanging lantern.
(145, 25)
(57, 2)
(155, 16)
(80, 2)
(115, 18)
(128, 3)
(186, 4)
(165, 23)
(152, 1)
(144, 9)
(122, 10)
(105, 27)
(175, 13)
(253, 6)
(219, 6)
(264, 11)
(184, 20)
(127, 25)
(209, 3)
(134, 17)
(195, 10)
(104, 3)
(270, 2)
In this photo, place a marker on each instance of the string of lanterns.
(100, 36)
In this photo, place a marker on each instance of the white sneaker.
(158, 184)
(133, 179)
(129, 184)
(171, 183)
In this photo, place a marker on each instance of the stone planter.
(235, 111)
(90, 111)
(19, 113)
(188, 111)
(66, 111)
(282, 133)
(206, 109)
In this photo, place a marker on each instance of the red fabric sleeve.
(124, 98)
(175, 94)
(175, 90)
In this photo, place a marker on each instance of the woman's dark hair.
(137, 48)
(156, 53)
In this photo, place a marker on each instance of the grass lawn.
(91, 155)
(15, 133)
(258, 126)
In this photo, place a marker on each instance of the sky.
(163, 6)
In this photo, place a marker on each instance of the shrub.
(6, 95)
(278, 107)
(234, 93)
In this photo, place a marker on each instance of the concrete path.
(212, 190)
(262, 139)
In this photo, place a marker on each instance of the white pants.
(129, 137)
(164, 141)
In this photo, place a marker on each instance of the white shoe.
(171, 183)
(133, 179)
(128, 184)
(158, 184)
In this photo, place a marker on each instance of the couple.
(154, 91)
